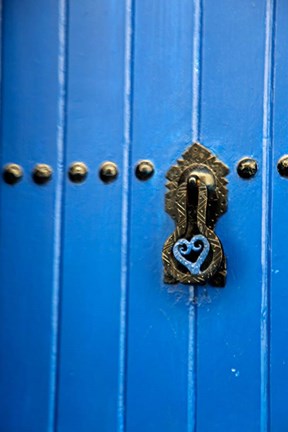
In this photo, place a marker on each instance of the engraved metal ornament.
(196, 198)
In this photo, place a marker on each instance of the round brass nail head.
(42, 173)
(108, 172)
(77, 172)
(12, 173)
(282, 166)
(247, 168)
(144, 170)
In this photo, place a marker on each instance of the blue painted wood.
(279, 232)
(91, 272)
(28, 271)
(90, 337)
(157, 366)
(231, 350)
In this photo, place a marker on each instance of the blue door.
(91, 338)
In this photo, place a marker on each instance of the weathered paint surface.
(90, 336)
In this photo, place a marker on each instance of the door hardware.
(196, 198)
(78, 172)
(282, 166)
(108, 172)
(144, 170)
(12, 173)
(42, 173)
(247, 168)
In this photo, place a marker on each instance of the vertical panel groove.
(59, 209)
(128, 97)
(192, 366)
(1, 97)
(196, 78)
(1, 89)
(192, 331)
(266, 211)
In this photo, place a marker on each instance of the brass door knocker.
(196, 198)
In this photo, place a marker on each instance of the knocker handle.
(193, 254)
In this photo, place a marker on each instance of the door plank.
(279, 234)
(157, 365)
(91, 273)
(29, 219)
(230, 320)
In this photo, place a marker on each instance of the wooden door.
(91, 338)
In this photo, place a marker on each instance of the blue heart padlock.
(184, 247)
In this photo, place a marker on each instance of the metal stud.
(144, 170)
(77, 172)
(12, 173)
(42, 173)
(247, 168)
(108, 172)
(282, 166)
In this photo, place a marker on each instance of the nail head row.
(108, 172)
(247, 167)
(77, 172)
(13, 173)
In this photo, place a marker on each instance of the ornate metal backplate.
(196, 198)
